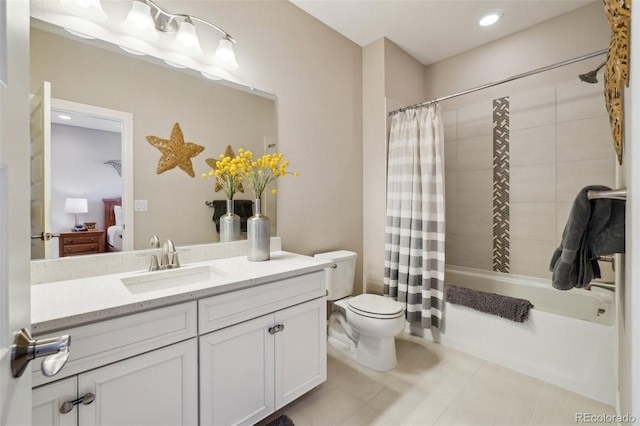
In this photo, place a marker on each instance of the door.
(15, 393)
(154, 389)
(48, 399)
(236, 374)
(300, 350)
(41, 172)
(100, 118)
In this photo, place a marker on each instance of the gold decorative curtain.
(616, 74)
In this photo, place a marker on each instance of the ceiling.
(432, 30)
(86, 121)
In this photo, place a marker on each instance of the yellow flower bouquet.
(226, 175)
(261, 172)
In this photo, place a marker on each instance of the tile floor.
(435, 385)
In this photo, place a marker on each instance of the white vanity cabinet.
(156, 388)
(250, 369)
(47, 400)
(141, 368)
(228, 355)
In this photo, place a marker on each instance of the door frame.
(126, 118)
(15, 288)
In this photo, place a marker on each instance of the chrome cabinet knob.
(275, 329)
(85, 400)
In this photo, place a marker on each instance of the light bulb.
(490, 19)
(225, 58)
(187, 40)
(139, 22)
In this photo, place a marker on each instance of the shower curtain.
(414, 231)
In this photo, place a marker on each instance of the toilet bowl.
(361, 327)
(376, 320)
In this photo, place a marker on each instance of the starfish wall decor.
(175, 152)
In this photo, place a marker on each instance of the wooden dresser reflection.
(82, 242)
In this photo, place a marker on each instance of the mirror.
(211, 114)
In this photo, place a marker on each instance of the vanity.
(216, 342)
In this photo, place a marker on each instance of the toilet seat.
(374, 306)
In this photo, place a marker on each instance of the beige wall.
(390, 79)
(317, 76)
(373, 153)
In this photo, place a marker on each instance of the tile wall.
(559, 141)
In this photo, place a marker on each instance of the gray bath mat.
(504, 306)
(283, 420)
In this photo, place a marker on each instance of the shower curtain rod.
(506, 80)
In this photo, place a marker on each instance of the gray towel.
(503, 306)
(595, 228)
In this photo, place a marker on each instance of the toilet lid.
(372, 304)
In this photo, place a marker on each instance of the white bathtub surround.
(69, 268)
(568, 340)
(415, 208)
(559, 142)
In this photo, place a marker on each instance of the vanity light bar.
(145, 12)
(146, 18)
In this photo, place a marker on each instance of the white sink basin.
(171, 278)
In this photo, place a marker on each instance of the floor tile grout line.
(535, 408)
(460, 392)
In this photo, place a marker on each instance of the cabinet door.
(48, 399)
(301, 351)
(156, 388)
(236, 374)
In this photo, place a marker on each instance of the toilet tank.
(340, 279)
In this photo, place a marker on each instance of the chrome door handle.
(275, 329)
(85, 400)
(44, 236)
(54, 350)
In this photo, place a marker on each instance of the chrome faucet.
(154, 241)
(169, 258)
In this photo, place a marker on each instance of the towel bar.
(604, 285)
(605, 258)
(614, 194)
(209, 203)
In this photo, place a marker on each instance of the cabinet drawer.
(98, 344)
(80, 249)
(81, 239)
(231, 308)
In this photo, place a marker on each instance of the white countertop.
(71, 303)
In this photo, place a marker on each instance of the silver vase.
(229, 224)
(258, 229)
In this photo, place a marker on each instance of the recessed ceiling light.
(490, 19)
(64, 117)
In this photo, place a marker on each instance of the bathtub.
(567, 341)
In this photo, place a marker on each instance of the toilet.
(361, 327)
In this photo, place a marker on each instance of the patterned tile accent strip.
(501, 184)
